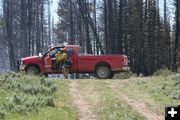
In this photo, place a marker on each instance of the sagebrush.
(26, 93)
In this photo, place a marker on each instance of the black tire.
(103, 72)
(32, 70)
(111, 75)
(46, 75)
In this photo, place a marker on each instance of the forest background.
(147, 31)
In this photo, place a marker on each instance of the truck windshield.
(51, 51)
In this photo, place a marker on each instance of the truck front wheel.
(111, 75)
(103, 72)
(32, 70)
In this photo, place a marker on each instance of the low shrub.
(163, 72)
(20, 83)
(25, 104)
(175, 95)
(2, 114)
(176, 77)
(27, 93)
(124, 75)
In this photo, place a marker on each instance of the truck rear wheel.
(32, 70)
(103, 72)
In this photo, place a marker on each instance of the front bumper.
(22, 67)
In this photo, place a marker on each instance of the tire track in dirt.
(139, 106)
(80, 103)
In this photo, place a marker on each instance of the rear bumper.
(126, 68)
(121, 69)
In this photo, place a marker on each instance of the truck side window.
(81, 52)
(69, 52)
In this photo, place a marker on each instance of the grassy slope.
(156, 92)
(62, 110)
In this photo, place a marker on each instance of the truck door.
(47, 63)
(49, 60)
(71, 55)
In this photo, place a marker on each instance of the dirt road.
(80, 102)
(86, 98)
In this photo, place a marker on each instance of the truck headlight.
(21, 62)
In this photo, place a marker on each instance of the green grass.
(2, 96)
(156, 92)
(34, 98)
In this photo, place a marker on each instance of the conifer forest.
(147, 31)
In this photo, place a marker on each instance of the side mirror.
(40, 55)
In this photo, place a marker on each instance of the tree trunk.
(87, 18)
(72, 38)
(8, 20)
(177, 37)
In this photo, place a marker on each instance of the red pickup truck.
(104, 66)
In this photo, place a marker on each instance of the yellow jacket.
(61, 56)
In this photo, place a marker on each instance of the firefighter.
(62, 57)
